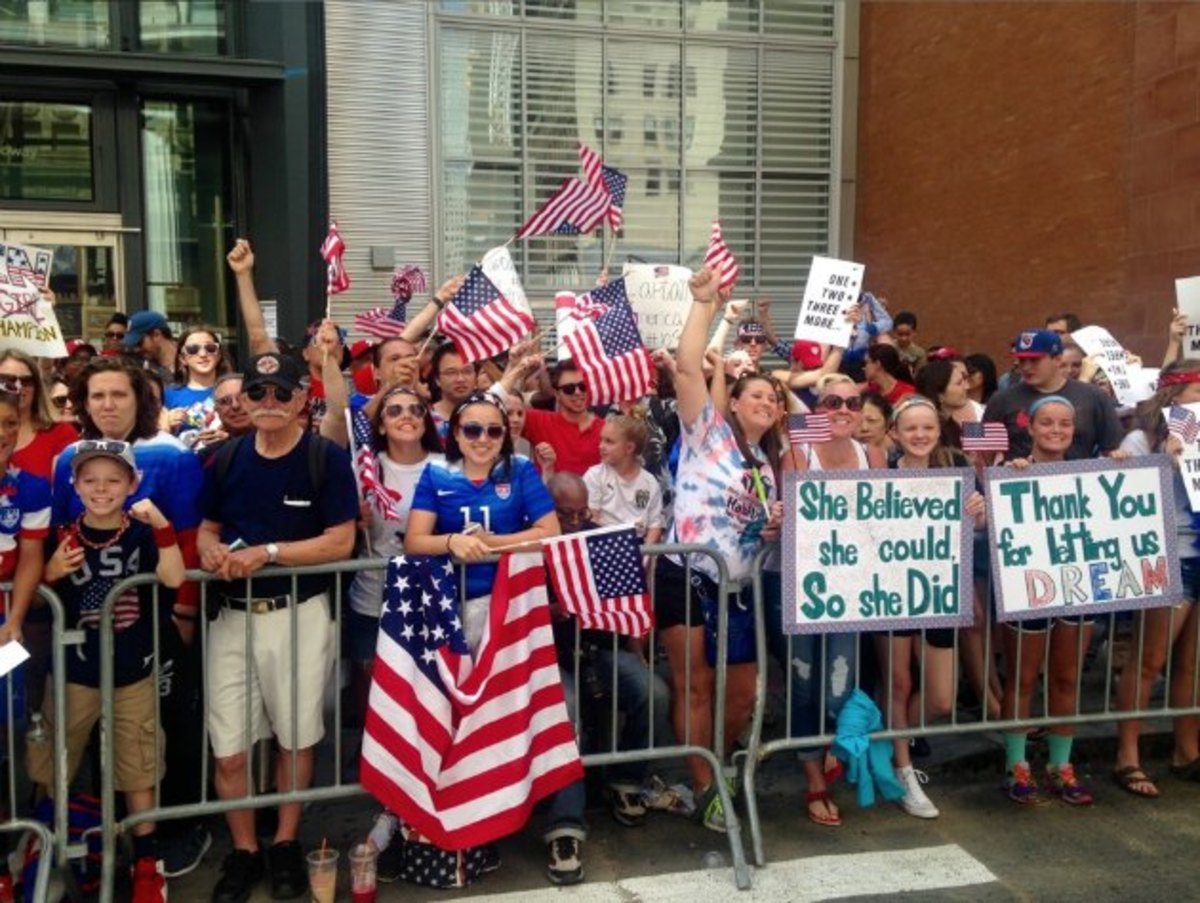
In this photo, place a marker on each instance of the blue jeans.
(563, 815)
(802, 659)
(634, 702)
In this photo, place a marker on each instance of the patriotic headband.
(1050, 399)
(909, 402)
(1179, 378)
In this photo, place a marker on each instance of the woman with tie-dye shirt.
(725, 500)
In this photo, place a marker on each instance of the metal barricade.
(1182, 701)
(55, 846)
(338, 789)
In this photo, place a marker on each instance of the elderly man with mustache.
(282, 497)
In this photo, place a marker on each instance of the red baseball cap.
(807, 354)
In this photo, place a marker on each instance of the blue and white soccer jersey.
(24, 514)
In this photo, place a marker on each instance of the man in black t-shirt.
(1097, 427)
(271, 506)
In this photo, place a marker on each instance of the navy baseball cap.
(142, 322)
(1037, 343)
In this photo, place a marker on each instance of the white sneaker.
(914, 801)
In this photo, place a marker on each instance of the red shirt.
(899, 390)
(576, 450)
(38, 456)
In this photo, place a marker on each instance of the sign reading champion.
(877, 550)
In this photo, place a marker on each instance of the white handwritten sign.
(660, 297)
(1082, 537)
(833, 287)
(877, 550)
(1098, 341)
(27, 321)
(1187, 299)
(498, 266)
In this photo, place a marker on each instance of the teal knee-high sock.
(1014, 750)
(1060, 749)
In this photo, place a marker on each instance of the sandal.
(827, 816)
(834, 771)
(1187, 772)
(1131, 777)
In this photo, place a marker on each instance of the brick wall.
(995, 161)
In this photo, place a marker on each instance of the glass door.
(85, 276)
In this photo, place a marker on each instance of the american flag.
(482, 322)
(576, 207)
(19, 267)
(983, 437)
(1183, 423)
(806, 429)
(382, 323)
(599, 578)
(462, 747)
(127, 608)
(332, 249)
(720, 259)
(608, 179)
(609, 350)
(366, 466)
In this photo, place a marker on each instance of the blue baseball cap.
(1037, 343)
(142, 322)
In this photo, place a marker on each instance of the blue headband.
(1050, 399)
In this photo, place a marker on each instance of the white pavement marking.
(797, 880)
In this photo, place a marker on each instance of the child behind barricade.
(917, 432)
(103, 547)
(620, 490)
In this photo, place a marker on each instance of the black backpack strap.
(224, 458)
(318, 460)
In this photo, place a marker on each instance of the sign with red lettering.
(1083, 537)
(27, 320)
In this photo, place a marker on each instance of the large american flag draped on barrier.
(332, 249)
(598, 577)
(608, 347)
(482, 322)
(607, 179)
(462, 749)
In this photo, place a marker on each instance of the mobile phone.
(237, 545)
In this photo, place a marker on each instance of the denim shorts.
(1190, 570)
(362, 632)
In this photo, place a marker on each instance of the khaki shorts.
(136, 735)
(272, 677)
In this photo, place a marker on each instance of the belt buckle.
(262, 606)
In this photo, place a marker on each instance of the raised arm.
(337, 395)
(691, 393)
(241, 261)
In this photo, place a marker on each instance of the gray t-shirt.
(1097, 427)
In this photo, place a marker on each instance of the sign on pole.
(1082, 537)
(877, 550)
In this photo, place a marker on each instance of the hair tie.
(1178, 378)
(911, 401)
(1050, 399)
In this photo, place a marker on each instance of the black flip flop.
(1130, 776)
(1188, 772)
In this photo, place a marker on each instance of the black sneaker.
(287, 873)
(566, 861)
(389, 867)
(240, 874)
(490, 859)
(627, 806)
(182, 853)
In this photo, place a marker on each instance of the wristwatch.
(272, 552)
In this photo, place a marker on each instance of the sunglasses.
(14, 383)
(572, 388)
(113, 334)
(753, 339)
(259, 392)
(207, 348)
(474, 431)
(836, 402)
(60, 401)
(416, 410)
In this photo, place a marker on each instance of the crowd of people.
(155, 453)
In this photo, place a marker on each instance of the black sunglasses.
(259, 392)
(474, 431)
(835, 403)
(753, 339)
(415, 410)
(60, 401)
(206, 347)
(572, 388)
(111, 334)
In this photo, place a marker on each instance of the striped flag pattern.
(607, 179)
(984, 437)
(806, 429)
(609, 350)
(1183, 423)
(598, 577)
(381, 322)
(462, 747)
(720, 259)
(366, 465)
(575, 208)
(480, 321)
(332, 249)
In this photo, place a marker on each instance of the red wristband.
(164, 537)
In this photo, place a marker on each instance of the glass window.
(182, 26)
(45, 151)
(55, 23)
(188, 226)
